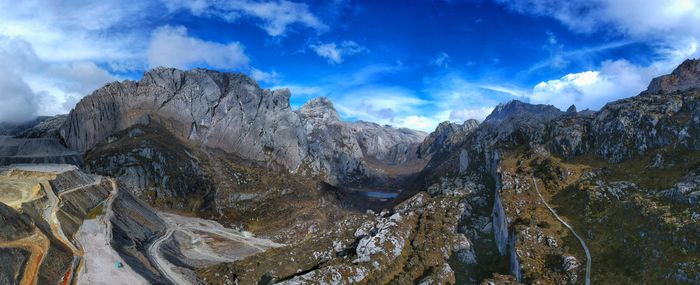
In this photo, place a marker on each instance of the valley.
(204, 177)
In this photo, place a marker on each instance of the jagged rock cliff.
(231, 112)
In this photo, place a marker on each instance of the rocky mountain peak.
(320, 108)
(685, 76)
(445, 134)
(521, 110)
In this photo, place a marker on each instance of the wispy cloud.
(441, 60)
(275, 17)
(265, 76)
(336, 53)
(560, 58)
(447, 97)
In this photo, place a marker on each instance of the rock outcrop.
(685, 76)
(49, 127)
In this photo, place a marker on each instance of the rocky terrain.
(202, 177)
(232, 113)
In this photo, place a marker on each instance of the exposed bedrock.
(134, 226)
(231, 112)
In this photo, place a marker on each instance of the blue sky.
(408, 64)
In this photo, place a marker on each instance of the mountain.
(230, 112)
(203, 177)
(686, 76)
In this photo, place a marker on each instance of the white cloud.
(336, 53)
(58, 50)
(639, 19)
(418, 122)
(49, 87)
(75, 30)
(63, 50)
(592, 89)
(386, 105)
(441, 60)
(614, 80)
(263, 76)
(172, 47)
(670, 27)
(457, 99)
(275, 16)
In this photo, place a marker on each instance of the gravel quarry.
(200, 242)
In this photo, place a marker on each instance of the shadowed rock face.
(12, 261)
(13, 225)
(35, 150)
(231, 112)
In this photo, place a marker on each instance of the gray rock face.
(685, 76)
(231, 112)
(685, 191)
(345, 150)
(445, 135)
(48, 128)
(621, 130)
(218, 110)
(523, 111)
(517, 123)
(570, 136)
(638, 124)
(150, 162)
(570, 265)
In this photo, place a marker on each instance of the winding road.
(99, 260)
(583, 243)
(161, 263)
(198, 230)
(51, 217)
